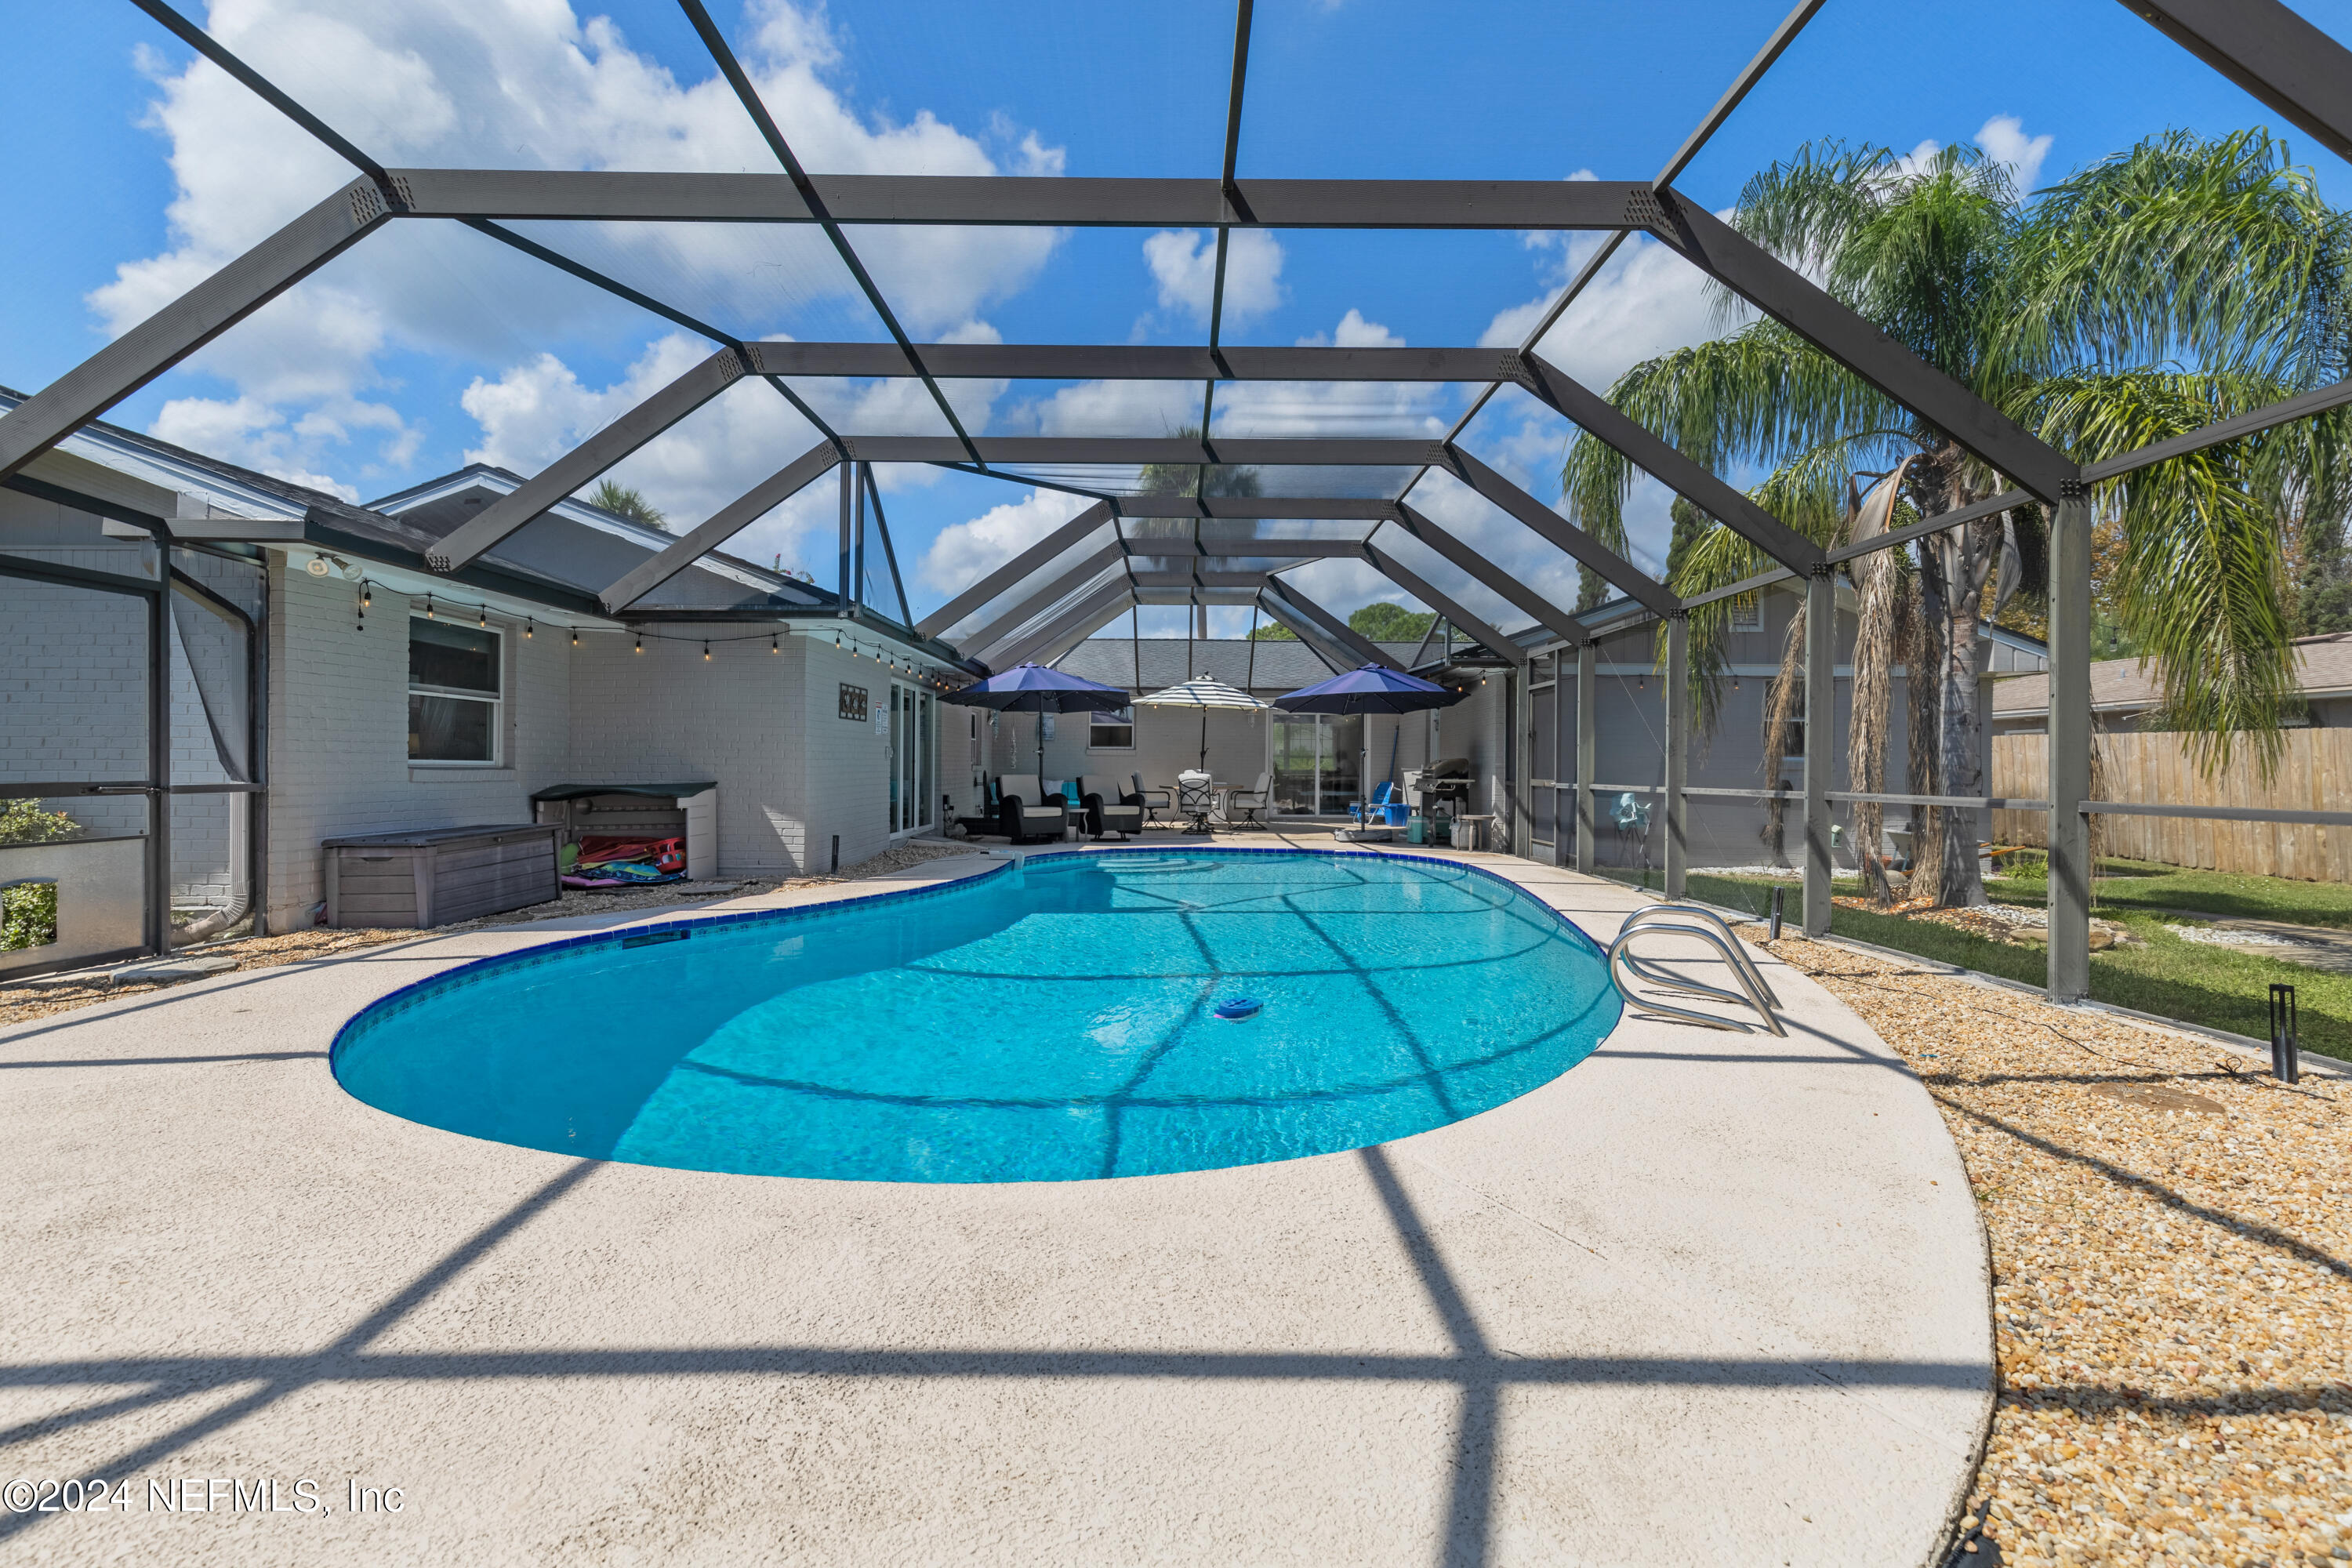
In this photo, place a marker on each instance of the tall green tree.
(1384, 620)
(2149, 294)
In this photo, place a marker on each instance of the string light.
(429, 606)
(772, 647)
(575, 636)
(529, 626)
(706, 650)
(641, 642)
(366, 596)
(483, 618)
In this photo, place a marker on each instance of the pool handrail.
(1740, 957)
(1754, 998)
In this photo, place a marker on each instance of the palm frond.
(2204, 568)
(1756, 396)
(2213, 252)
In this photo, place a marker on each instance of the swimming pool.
(1052, 1021)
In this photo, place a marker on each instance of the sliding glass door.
(1318, 763)
(912, 713)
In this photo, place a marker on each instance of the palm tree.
(623, 502)
(2145, 296)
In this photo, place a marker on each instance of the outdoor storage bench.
(432, 876)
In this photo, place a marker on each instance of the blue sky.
(135, 169)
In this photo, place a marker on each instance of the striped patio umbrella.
(1203, 694)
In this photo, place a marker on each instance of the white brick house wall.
(667, 715)
(847, 764)
(339, 733)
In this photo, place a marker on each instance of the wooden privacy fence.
(2314, 774)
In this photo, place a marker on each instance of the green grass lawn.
(2197, 982)
(2126, 884)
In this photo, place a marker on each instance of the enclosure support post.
(1821, 710)
(848, 492)
(1588, 750)
(1523, 756)
(857, 537)
(2070, 744)
(159, 752)
(1563, 824)
(1677, 696)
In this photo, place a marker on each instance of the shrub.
(23, 822)
(29, 916)
(2027, 865)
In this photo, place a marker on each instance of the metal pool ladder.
(1677, 920)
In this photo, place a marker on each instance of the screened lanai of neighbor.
(263, 639)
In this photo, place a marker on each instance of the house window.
(1748, 613)
(1112, 732)
(453, 693)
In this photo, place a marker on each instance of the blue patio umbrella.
(1041, 689)
(1374, 688)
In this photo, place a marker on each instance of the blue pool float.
(1237, 1008)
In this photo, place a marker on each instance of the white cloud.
(527, 83)
(965, 552)
(1184, 265)
(1499, 539)
(2004, 139)
(1108, 408)
(1257, 409)
(1354, 332)
(1646, 302)
(249, 432)
(540, 409)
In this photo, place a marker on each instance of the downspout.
(240, 875)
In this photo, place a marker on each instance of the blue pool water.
(1047, 1023)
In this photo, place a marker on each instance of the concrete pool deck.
(1708, 1298)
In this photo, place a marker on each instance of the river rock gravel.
(2171, 1234)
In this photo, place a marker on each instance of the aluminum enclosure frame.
(2261, 45)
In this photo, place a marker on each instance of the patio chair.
(1250, 804)
(1028, 815)
(1109, 809)
(1194, 793)
(1155, 801)
(1631, 816)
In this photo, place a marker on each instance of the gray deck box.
(436, 875)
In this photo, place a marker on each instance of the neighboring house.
(2126, 694)
(314, 656)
